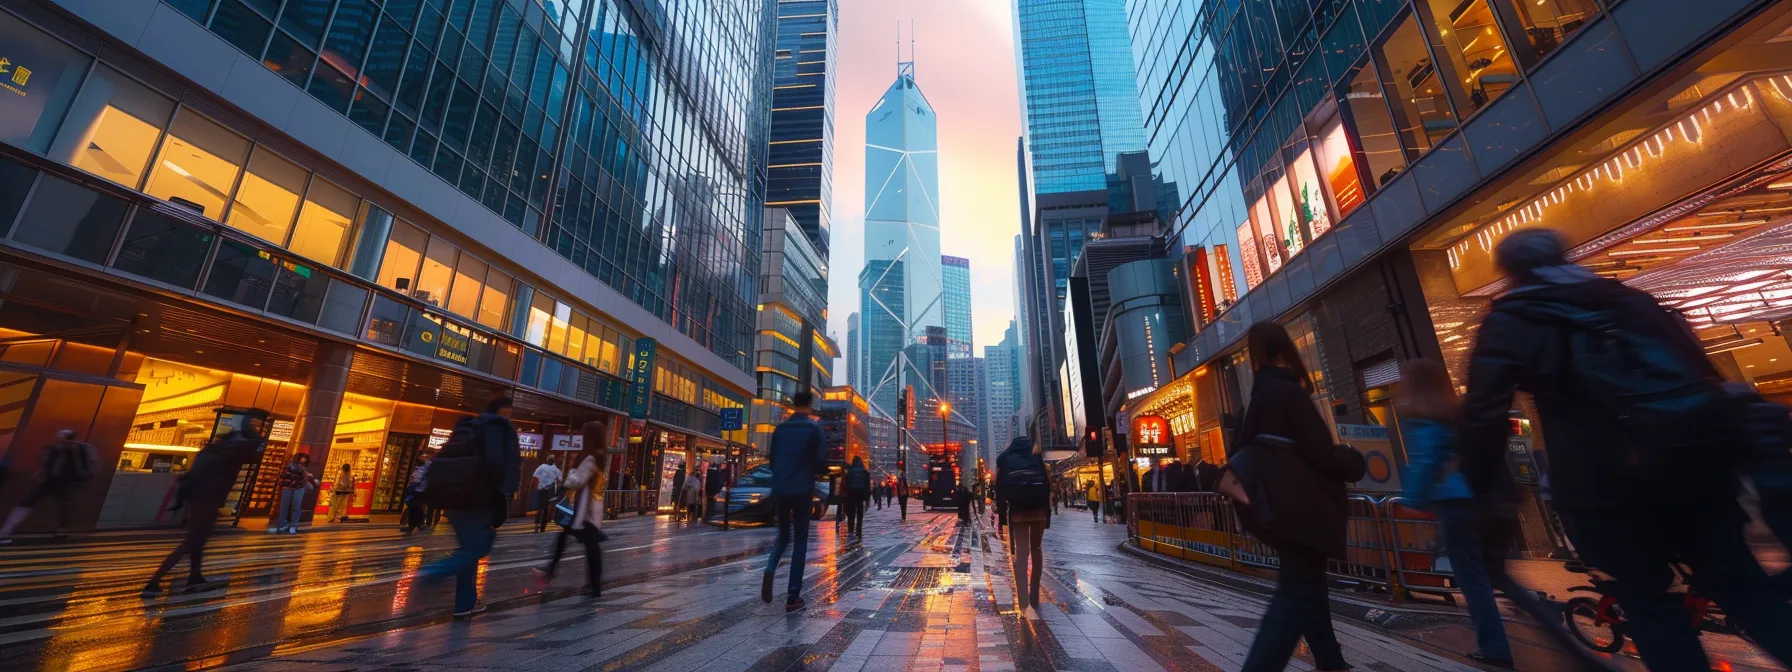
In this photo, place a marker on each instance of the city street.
(917, 595)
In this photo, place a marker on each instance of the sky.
(964, 63)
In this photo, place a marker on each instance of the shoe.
(151, 591)
(765, 588)
(1504, 664)
(202, 585)
(464, 615)
(542, 577)
(794, 605)
(292, 529)
(275, 530)
(1030, 614)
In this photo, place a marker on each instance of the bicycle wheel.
(1581, 615)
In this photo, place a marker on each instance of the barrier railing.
(618, 502)
(1388, 547)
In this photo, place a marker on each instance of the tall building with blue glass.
(366, 218)
(799, 176)
(1346, 169)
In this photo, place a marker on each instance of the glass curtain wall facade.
(562, 118)
(1077, 80)
(956, 275)
(1003, 395)
(800, 175)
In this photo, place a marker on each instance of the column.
(316, 426)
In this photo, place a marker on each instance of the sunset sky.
(964, 63)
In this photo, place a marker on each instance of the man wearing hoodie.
(797, 458)
(1633, 504)
(493, 440)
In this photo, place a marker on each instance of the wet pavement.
(75, 606)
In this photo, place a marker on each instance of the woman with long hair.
(1301, 474)
(585, 488)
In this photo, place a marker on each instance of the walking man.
(858, 489)
(63, 467)
(202, 491)
(547, 483)
(902, 494)
(797, 458)
(1643, 446)
(473, 478)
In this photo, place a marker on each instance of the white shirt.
(546, 476)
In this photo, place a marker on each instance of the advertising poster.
(1267, 238)
(1339, 167)
(1247, 253)
(1377, 446)
(1308, 200)
(1287, 218)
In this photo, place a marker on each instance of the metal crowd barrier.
(618, 502)
(1388, 547)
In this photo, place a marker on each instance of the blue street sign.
(733, 419)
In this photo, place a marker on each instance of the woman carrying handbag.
(1288, 477)
(581, 513)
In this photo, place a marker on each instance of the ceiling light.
(1695, 238)
(1653, 251)
(1781, 185)
(1738, 224)
(1737, 345)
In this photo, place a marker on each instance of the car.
(749, 501)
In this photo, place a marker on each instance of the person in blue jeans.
(797, 458)
(1476, 534)
(476, 527)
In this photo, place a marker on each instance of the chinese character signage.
(642, 375)
(733, 419)
(1150, 435)
(38, 78)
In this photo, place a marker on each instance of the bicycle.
(1600, 623)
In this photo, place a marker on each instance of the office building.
(364, 220)
(792, 354)
(855, 370)
(1002, 393)
(1079, 91)
(799, 176)
(956, 297)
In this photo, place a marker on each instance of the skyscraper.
(799, 176)
(900, 288)
(854, 369)
(956, 278)
(1079, 89)
(1002, 394)
(792, 353)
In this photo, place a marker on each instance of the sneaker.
(765, 588)
(1504, 664)
(292, 529)
(464, 615)
(151, 591)
(1030, 613)
(275, 530)
(794, 605)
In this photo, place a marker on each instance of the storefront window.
(1367, 112)
(404, 252)
(438, 271)
(1247, 252)
(495, 303)
(199, 164)
(160, 247)
(323, 230)
(469, 276)
(1421, 111)
(39, 78)
(113, 127)
(1546, 24)
(269, 197)
(67, 218)
(575, 338)
(1476, 51)
(240, 275)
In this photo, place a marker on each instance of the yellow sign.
(20, 75)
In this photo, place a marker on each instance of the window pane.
(305, 19)
(15, 182)
(438, 271)
(350, 31)
(38, 86)
(162, 248)
(385, 322)
(494, 306)
(241, 27)
(342, 308)
(404, 251)
(113, 127)
(324, 222)
(541, 312)
(557, 328)
(1546, 24)
(199, 164)
(240, 275)
(298, 293)
(288, 58)
(70, 219)
(1373, 129)
(575, 338)
(1471, 45)
(269, 197)
(331, 87)
(469, 276)
(369, 112)
(1410, 77)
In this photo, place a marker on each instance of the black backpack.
(70, 462)
(858, 481)
(460, 477)
(1027, 488)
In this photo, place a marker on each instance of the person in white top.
(547, 483)
(585, 485)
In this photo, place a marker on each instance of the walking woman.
(1023, 504)
(1295, 474)
(690, 498)
(585, 487)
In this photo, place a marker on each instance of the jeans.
(594, 556)
(1634, 545)
(292, 503)
(793, 530)
(473, 529)
(1300, 608)
(1470, 561)
(1028, 539)
(855, 514)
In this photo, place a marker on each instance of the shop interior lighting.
(1738, 224)
(1733, 212)
(1738, 345)
(1653, 251)
(1697, 238)
(161, 447)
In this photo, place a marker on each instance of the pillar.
(316, 426)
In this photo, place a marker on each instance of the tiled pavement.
(920, 595)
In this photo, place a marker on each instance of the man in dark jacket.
(476, 524)
(64, 466)
(202, 491)
(796, 457)
(858, 489)
(1622, 519)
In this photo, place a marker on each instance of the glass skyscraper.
(800, 175)
(956, 279)
(1080, 91)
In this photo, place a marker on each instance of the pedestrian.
(678, 490)
(341, 493)
(585, 495)
(201, 492)
(858, 489)
(547, 484)
(1092, 499)
(63, 467)
(877, 495)
(296, 479)
(473, 478)
(902, 495)
(1295, 474)
(690, 499)
(1023, 504)
(797, 459)
(416, 509)
(1643, 456)
(1206, 475)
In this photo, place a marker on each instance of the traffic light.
(902, 407)
(1093, 448)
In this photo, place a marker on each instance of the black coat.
(1515, 350)
(1299, 489)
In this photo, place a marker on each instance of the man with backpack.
(64, 466)
(472, 478)
(201, 493)
(858, 489)
(1024, 506)
(797, 458)
(1643, 443)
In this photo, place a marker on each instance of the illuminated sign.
(642, 374)
(569, 442)
(1151, 435)
(528, 440)
(281, 431)
(438, 437)
(1140, 392)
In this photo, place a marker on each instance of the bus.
(942, 481)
